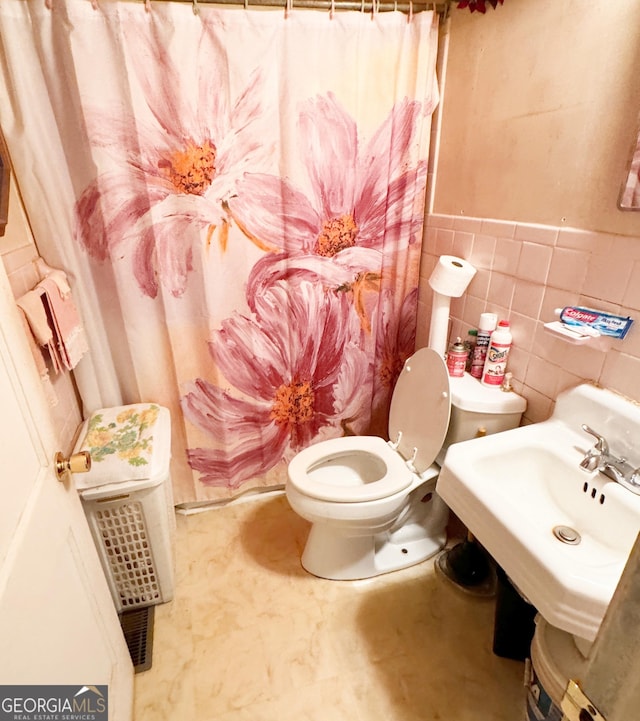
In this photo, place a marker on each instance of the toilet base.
(339, 557)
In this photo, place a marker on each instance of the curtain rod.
(365, 5)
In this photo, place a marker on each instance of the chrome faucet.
(599, 458)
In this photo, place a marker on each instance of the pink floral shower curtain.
(238, 197)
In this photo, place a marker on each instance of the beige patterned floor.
(250, 636)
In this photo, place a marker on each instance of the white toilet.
(372, 503)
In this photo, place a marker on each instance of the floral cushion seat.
(123, 442)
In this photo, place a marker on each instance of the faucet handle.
(601, 442)
(633, 481)
(591, 461)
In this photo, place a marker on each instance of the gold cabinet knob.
(77, 463)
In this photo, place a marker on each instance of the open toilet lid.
(420, 407)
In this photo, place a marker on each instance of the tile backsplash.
(525, 272)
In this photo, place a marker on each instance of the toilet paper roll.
(451, 276)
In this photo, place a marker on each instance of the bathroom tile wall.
(524, 272)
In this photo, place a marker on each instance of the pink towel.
(41, 364)
(31, 305)
(65, 322)
(35, 313)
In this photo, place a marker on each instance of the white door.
(58, 624)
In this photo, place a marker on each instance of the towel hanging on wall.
(35, 314)
(64, 319)
(53, 320)
(36, 352)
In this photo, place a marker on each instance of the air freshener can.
(495, 364)
(470, 345)
(485, 329)
(457, 359)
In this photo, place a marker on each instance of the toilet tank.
(479, 410)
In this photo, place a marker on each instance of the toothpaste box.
(615, 326)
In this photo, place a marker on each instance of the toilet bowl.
(372, 503)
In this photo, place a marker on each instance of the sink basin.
(561, 534)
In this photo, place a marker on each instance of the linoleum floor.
(251, 636)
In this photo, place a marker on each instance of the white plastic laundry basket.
(128, 501)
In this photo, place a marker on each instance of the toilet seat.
(387, 469)
(334, 470)
(420, 408)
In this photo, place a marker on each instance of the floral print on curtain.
(172, 173)
(299, 363)
(301, 358)
(268, 221)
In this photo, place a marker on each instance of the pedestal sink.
(561, 534)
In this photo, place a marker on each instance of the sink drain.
(566, 534)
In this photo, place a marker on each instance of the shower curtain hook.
(287, 8)
(410, 17)
(147, 6)
(332, 9)
(195, 8)
(246, 4)
(361, 6)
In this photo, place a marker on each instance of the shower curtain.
(237, 196)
